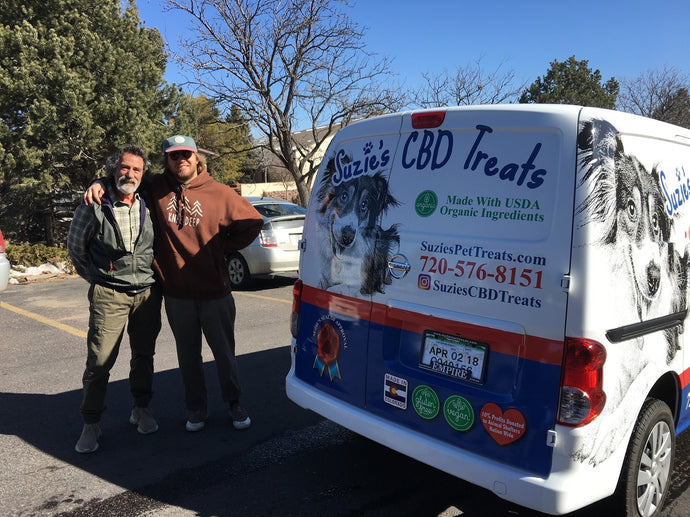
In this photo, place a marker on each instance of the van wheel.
(239, 271)
(645, 478)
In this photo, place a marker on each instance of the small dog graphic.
(355, 248)
(625, 206)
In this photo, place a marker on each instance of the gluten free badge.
(425, 402)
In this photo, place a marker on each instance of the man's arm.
(96, 190)
(80, 233)
(246, 223)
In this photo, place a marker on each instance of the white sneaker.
(239, 415)
(194, 426)
(196, 421)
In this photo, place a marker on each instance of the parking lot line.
(262, 297)
(43, 319)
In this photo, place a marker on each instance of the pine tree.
(572, 82)
(78, 79)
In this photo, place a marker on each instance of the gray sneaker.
(88, 441)
(240, 417)
(144, 420)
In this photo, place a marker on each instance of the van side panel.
(630, 267)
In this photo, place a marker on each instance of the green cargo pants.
(110, 312)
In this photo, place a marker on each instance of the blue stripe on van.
(531, 394)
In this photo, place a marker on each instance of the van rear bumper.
(559, 493)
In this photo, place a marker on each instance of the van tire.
(239, 271)
(650, 456)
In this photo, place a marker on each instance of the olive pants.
(110, 312)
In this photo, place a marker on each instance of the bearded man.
(111, 247)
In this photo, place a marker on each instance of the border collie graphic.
(624, 210)
(355, 249)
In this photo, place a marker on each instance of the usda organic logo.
(426, 203)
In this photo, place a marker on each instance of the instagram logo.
(424, 282)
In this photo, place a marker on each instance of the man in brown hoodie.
(197, 223)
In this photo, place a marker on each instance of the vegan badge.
(395, 391)
(458, 413)
(425, 402)
(328, 341)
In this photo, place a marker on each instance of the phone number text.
(523, 277)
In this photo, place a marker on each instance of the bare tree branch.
(469, 85)
(659, 94)
(286, 62)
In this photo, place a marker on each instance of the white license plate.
(453, 356)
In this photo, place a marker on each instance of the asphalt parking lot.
(290, 462)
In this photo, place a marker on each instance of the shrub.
(32, 255)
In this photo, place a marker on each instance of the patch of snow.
(20, 273)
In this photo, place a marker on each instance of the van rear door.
(466, 342)
(335, 304)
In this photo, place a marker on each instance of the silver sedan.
(276, 249)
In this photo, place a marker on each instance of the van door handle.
(399, 266)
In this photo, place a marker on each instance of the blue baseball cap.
(179, 143)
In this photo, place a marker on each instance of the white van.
(500, 292)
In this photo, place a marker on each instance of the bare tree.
(283, 62)
(469, 85)
(659, 94)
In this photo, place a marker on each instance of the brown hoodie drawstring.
(181, 202)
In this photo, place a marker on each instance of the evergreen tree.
(572, 82)
(78, 79)
(226, 140)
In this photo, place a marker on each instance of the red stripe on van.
(352, 307)
(684, 378)
(533, 348)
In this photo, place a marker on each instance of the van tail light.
(582, 395)
(2, 243)
(296, 299)
(267, 239)
(428, 119)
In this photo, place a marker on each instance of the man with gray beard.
(111, 247)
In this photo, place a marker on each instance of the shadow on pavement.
(52, 424)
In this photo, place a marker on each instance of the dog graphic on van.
(625, 207)
(355, 249)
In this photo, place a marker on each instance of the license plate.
(453, 356)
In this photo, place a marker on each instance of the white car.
(276, 249)
(4, 265)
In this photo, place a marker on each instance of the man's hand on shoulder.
(94, 193)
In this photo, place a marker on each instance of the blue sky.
(621, 38)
